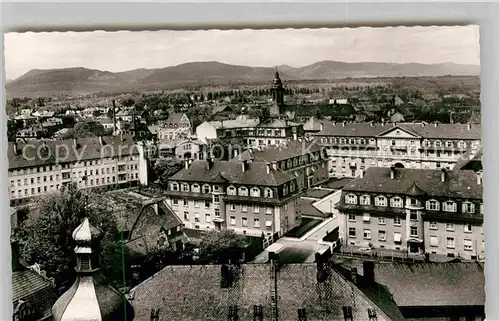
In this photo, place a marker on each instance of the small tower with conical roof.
(88, 299)
(278, 93)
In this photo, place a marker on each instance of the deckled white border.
(154, 15)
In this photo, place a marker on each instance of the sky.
(127, 50)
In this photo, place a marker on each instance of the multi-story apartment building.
(307, 161)
(251, 130)
(176, 126)
(250, 197)
(415, 210)
(40, 167)
(353, 147)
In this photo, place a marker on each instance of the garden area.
(305, 226)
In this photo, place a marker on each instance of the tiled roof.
(193, 293)
(31, 287)
(431, 284)
(256, 174)
(441, 131)
(87, 149)
(458, 184)
(336, 183)
(271, 153)
(174, 118)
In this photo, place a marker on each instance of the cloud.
(125, 50)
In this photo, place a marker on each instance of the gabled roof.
(174, 118)
(193, 293)
(232, 171)
(458, 184)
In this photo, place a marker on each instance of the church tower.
(278, 93)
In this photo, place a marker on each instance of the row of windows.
(372, 141)
(244, 222)
(41, 169)
(296, 161)
(397, 222)
(398, 202)
(231, 190)
(231, 206)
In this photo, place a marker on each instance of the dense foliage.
(46, 235)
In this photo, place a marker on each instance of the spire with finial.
(88, 299)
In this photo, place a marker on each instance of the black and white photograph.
(292, 174)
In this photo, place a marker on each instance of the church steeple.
(278, 95)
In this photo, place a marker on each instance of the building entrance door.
(413, 247)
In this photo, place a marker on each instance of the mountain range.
(83, 80)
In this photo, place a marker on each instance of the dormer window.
(269, 193)
(285, 190)
(295, 162)
(462, 144)
(333, 140)
(449, 144)
(362, 141)
(342, 140)
(243, 191)
(372, 141)
(195, 188)
(324, 140)
(255, 192)
(380, 201)
(432, 205)
(449, 206)
(352, 141)
(185, 187)
(396, 202)
(364, 200)
(282, 165)
(231, 190)
(427, 143)
(174, 186)
(206, 188)
(351, 199)
(468, 207)
(437, 143)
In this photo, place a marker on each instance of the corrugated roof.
(458, 184)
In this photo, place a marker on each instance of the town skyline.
(159, 49)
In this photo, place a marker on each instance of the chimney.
(343, 124)
(435, 124)
(121, 137)
(393, 172)
(16, 264)
(354, 275)
(369, 272)
(268, 168)
(422, 124)
(235, 153)
(393, 124)
(479, 177)
(468, 126)
(443, 175)
(101, 141)
(320, 127)
(371, 124)
(75, 142)
(274, 165)
(186, 164)
(210, 163)
(334, 123)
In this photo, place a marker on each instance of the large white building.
(40, 167)
(354, 147)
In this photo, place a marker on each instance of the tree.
(218, 245)
(164, 168)
(128, 102)
(46, 236)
